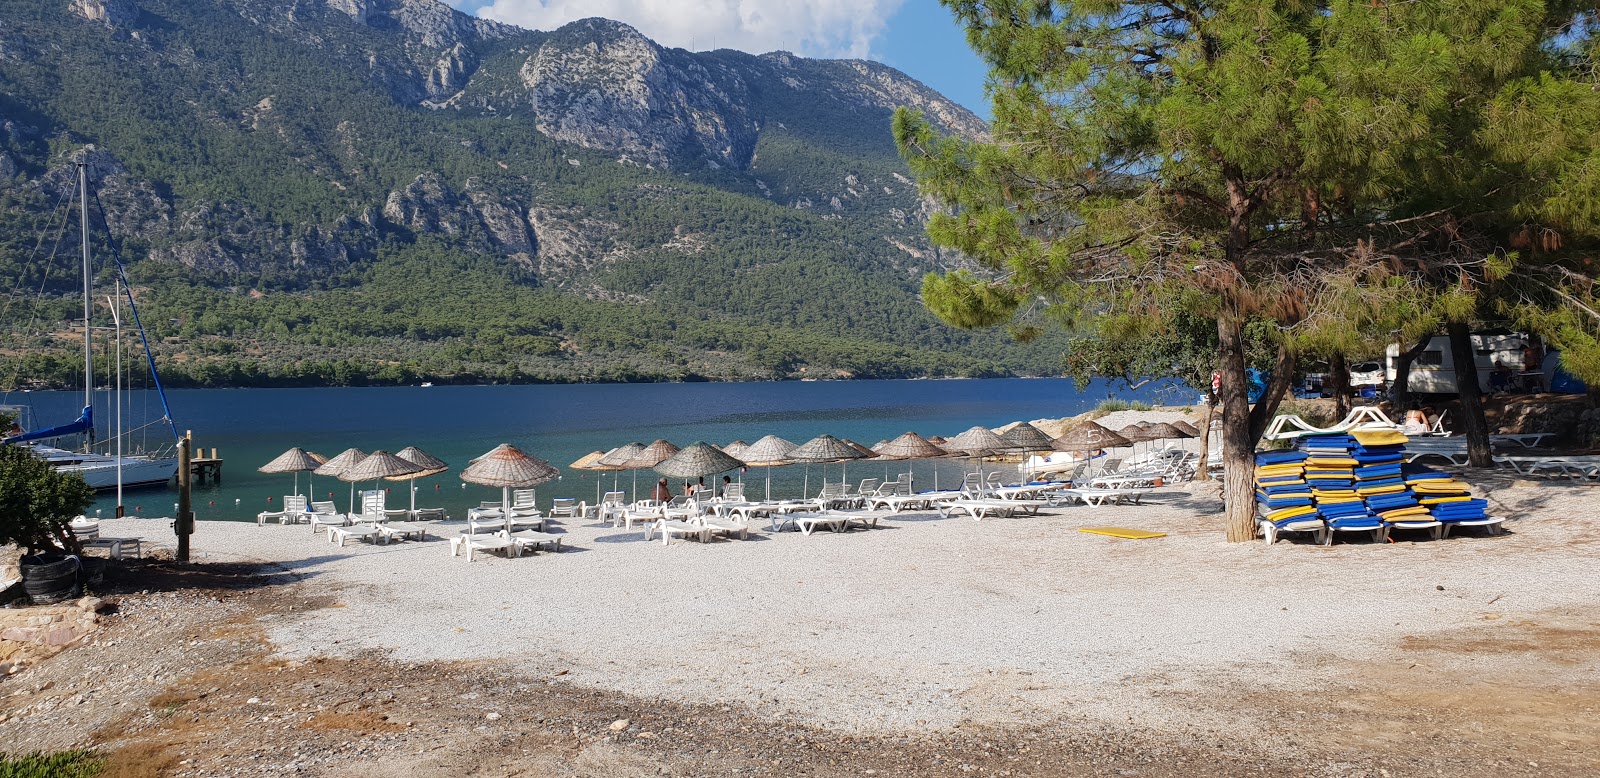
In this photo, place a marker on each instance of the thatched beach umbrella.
(1187, 428)
(650, 456)
(590, 461)
(1028, 439)
(296, 460)
(769, 452)
(1165, 431)
(618, 460)
(698, 460)
(376, 466)
(975, 443)
(508, 468)
(346, 459)
(736, 449)
(1088, 436)
(822, 449)
(429, 464)
(1135, 434)
(912, 446)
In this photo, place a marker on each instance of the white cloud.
(816, 28)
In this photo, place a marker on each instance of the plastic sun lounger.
(978, 509)
(1435, 528)
(529, 540)
(1289, 425)
(898, 502)
(1313, 525)
(363, 530)
(329, 520)
(808, 521)
(1524, 439)
(670, 527)
(867, 519)
(294, 507)
(474, 543)
(399, 530)
(728, 527)
(1492, 525)
(1101, 496)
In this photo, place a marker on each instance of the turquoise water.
(562, 423)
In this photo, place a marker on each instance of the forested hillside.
(358, 191)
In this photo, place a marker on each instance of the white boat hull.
(135, 472)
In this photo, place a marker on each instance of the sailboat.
(107, 466)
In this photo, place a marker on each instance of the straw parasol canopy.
(1165, 431)
(1090, 435)
(699, 459)
(1193, 431)
(653, 454)
(346, 459)
(430, 464)
(584, 462)
(866, 452)
(591, 461)
(736, 449)
(769, 452)
(618, 460)
(296, 460)
(823, 449)
(1027, 437)
(911, 446)
(508, 468)
(377, 465)
(1135, 433)
(975, 442)
(937, 440)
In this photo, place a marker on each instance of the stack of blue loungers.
(1447, 500)
(1331, 473)
(1379, 479)
(1281, 488)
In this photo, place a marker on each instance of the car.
(1366, 374)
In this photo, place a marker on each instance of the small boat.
(426, 384)
(106, 466)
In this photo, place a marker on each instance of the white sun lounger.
(1492, 525)
(1289, 425)
(1099, 496)
(319, 519)
(670, 527)
(530, 540)
(362, 530)
(294, 510)
(474, 543)
(1311, 524)
(400, 530)
(978, 509)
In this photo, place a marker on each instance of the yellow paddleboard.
(1123, 532)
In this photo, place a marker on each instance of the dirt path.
(180, 681)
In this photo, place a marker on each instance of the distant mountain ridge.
(277, 151)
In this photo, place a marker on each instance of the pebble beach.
(930, 623)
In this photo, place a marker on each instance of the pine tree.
(1287, 161)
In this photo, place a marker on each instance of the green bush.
(1113, 405)
(37, 503)
(62, 764)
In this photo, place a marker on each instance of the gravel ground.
(929, 647)
(933, 623)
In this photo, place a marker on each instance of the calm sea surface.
(560, 424)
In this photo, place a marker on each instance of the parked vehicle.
(1499, 357)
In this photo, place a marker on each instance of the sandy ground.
(1007, 646)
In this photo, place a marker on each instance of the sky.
(918, 37)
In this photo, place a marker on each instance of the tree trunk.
(1238, 447)
(1339, 379)
(1400, 392)
(1203, 469)
(1472, 418)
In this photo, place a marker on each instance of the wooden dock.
(203, 468)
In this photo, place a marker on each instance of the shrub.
(62, 764)
(37, 503)
(1112, 405)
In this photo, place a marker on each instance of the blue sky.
(916, 36)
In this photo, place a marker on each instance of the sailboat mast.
(88, 302)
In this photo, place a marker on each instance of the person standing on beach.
(662, 493)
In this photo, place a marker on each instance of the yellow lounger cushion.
(1315, 462)
(1289, 513)
(1379, 437)
(1123, 532)
(1440, 500)
(1368, 491)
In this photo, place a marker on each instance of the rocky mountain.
(260, 158)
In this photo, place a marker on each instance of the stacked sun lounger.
(1379, 477)
(1331, 472)
(1444, 498)
(1284, 498)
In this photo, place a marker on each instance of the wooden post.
(184, 525)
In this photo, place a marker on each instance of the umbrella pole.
(769, 483)
(297, 482)
(411, 486)
(505, 506)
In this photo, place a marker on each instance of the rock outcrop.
(112, 13)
